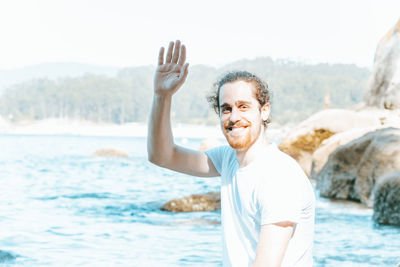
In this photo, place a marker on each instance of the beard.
(238, 141)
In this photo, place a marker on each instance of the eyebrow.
(241, 102)
(224, 105)
(237, 103)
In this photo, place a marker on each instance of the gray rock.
(321, 155)
(384, 82)
(353, 169)
(306, 137)
(387, 200)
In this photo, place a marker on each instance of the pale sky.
(126, 33)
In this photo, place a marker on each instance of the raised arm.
(162, 151)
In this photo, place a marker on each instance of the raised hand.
(171, 74)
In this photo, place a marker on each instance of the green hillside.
(297, 92)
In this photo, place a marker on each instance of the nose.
(235, 115)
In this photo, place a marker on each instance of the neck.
(246, 155)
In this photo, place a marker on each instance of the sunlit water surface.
(59, 205)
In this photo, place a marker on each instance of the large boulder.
(198, 202)
(387, 200)
(384, 82)
(305, 138)
(386, 117)
(353, 169)
(321, 155)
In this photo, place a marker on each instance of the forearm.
(272, 244)
(160, 144)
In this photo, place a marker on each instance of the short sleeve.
(217, 156)
(280, 201)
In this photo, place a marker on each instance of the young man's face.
(240, 114)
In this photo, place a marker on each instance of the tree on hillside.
(297, 92)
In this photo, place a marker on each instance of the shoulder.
(282, 174)
(281, 163)
(219, 151)
(221, 157)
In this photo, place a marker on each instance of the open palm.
(171, 74)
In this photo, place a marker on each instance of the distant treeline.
(297, 91)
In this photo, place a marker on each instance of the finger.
(161, 56)
(184, 73)
(169, 53)
(182, 56)
(176, 51)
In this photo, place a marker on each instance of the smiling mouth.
(234, 128)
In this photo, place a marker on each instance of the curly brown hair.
(262, 93)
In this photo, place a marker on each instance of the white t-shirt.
(272, 188)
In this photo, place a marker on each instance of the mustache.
(231, 124)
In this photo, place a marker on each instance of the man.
(266, 199)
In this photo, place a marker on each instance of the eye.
(244, 107)
(226, 110)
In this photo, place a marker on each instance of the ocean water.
(61, 206)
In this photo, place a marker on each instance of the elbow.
(153, 158)
(156, 160)
(159, 157)
(152, 155)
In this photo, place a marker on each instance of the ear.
(265, 111)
